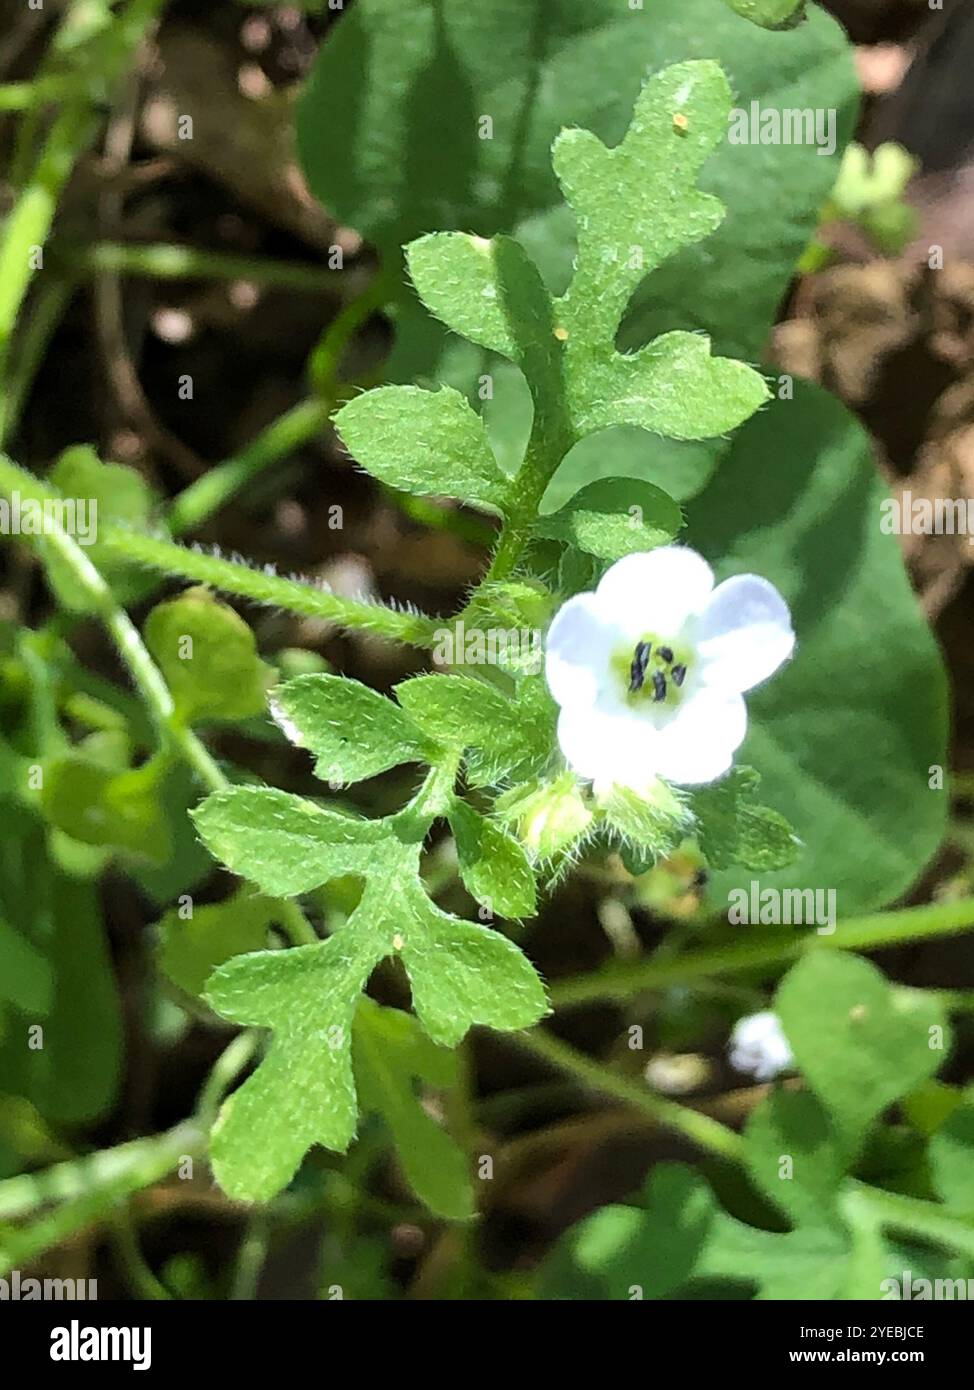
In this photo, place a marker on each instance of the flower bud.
(548, 817)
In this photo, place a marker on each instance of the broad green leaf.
(352, 731)
(845, 736)
(208, 656)
(731, 829)
(588, 75)
(860, 1042)
(807, 1263)
(98, 806)
(615, 517)
(492, 864)
(390, 1053)
(770, 14)
(457, 710)
(283, 843)
(673, 387)
(952, 1158)
(458, 279)
(70, 1072)
(191, 948)
(615, 1253)
(460, 974)
(25, 976)
(794, 1156)
(95, 493)
(119, 492)
(679, 467)
(425, 442)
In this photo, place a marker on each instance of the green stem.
(700, 1129)
(621, 982)
(218, 485)
(232, 577)
(237, 1055)
(86, 1189)
(325, 360)
(164, 261)
(522, 509)
(142, 1279)
(251, 1258)
(30, 347)
(24, 96)
(27, 228)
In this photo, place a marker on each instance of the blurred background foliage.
(254, 254)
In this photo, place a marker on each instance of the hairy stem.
(86, 1190)
(232, 577)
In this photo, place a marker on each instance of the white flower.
(759, 1047)
(649, 669)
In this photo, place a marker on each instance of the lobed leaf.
(352, 731)
(424, 442)
(283, 843)
(731, 829)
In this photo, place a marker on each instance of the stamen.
(637, 671)
(679, 675)
(659, 686)
(666, 654)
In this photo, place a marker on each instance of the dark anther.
(659, 686)
(678, 673)
(666, 654)
(637, 671)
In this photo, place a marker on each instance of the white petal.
(656, 591)
(699, 743)
(607, 746)
(578, 649)
(744, 634)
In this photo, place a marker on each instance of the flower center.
(653, 672)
